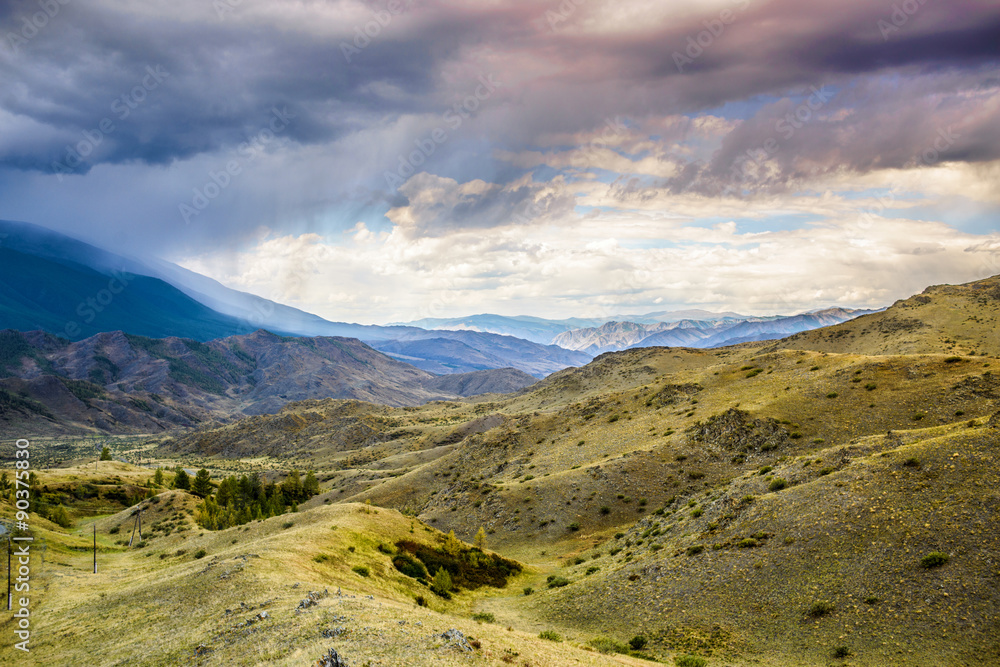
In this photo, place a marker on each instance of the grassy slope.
(156, 605)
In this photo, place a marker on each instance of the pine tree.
(452, 545)
(310, 485)
(292, 487)
(202, 486)
(182, 480)
(442, 582)
(158, 477)
(105, 454)
(480, 539)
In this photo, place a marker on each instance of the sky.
(393, 160)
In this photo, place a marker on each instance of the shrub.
(832, 394)
(558, 582)
(690, 661)
(592, 569)
(748, 543)
(697, 512)
(551, 635)
(361, 570)
(952, 360)
(637, 643)
(871, 386)
(114, 530)
(814, 368)
(917, 417)
(912, 462)
(421, 601)
(484, 617)
(934, 559)
(613, 418)
(795, 436)
(409, 566)
(528, 590)
(605, 509)
(573, 526)
(841, 652)
(777, 484)
(695, 550)
(765, 470)
(607, 645)
(288, 524)
(820, 608)
(200, 553)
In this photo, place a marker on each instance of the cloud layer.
(558, 155)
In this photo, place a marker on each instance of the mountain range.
(122, 383)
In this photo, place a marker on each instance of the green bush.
(934, 559)
(605, 509)
(912, 462)
(409, 566)
(832, 394)
(484, 617)
(573, 526)
(841, 652)
(592, 569)
(690, 661)
(558, 582)
(607, 645)
(952, 360)
(200, 553)
(748, 543)
(695, 550)
(820, 608)
(362, 570)
(871, 386)
(528, 590)
(777, 484)
(637, 643)
(551, 635)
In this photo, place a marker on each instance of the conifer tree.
(202, 486)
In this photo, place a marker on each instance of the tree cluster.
(239, 500)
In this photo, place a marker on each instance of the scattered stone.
(331, 633)
(312, 599)
(455, 638)
(262, 615)
(201, 649)
(331, 659)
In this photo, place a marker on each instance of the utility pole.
(95, 548)
(10, 597)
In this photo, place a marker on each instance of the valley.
(827, 499)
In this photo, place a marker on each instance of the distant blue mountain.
(51, 282)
